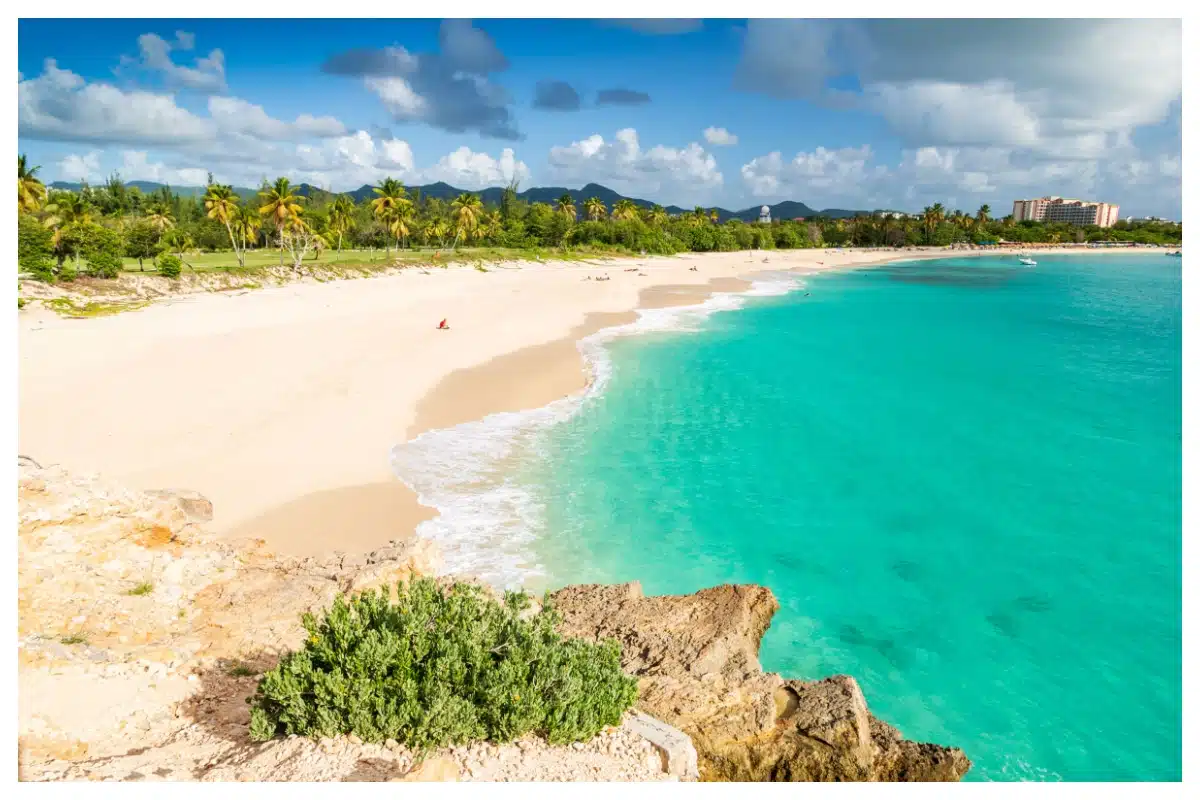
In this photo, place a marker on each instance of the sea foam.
(487, 520)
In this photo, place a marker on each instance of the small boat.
(1027, 261)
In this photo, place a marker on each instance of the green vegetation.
(67, 308)
(35, 248)
(239, 670)
(141, 590)
(74, 638)
(221, 230)
(441, 666)
(169, 265)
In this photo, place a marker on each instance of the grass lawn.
(226, 261)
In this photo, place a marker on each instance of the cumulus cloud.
(720, 137)
(154, 55)
(621, 97)
(136, 166)
(59, 105)
(233, 115)
(819, 172)
(470, 170)
(75, 167)
(1053, 86)
(658, 27)
(449, 89)
(470, 49)
(961, 177)
(555, 96)
(622, 162)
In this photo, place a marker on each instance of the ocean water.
(961, 478)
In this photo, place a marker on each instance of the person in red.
(442, 326)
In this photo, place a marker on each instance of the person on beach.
(442, 326)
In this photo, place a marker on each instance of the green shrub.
(103, 248)
(169, 265)
(35, 248)
(441, 666)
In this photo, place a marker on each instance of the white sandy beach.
(281, 405)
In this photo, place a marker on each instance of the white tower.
(764, 214)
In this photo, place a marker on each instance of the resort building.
(1062, 209)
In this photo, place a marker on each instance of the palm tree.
(31, 192)
(435, 229)
(466, 210)
(160, 217)
(625, 209)
(281, 207)
(66, 210)
(713, 216)
(341, 218)
(657, 215)
(931, 217)
(595, 208)
(387, 205)
(981, 217)
(493, 225)
(566, 207)
(221, 204)
(246, 223)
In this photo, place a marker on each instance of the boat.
(1027, 261)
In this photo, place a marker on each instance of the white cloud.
(821, 171)
(623, 164)
(60, 105)
(398, 98)
(719, 137)
(80, 168)
(208, 75)
(232, 115)
(136, 166)
(448, 89)
(962, 177)
(470, 170)
(1050, 86)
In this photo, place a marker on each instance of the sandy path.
(281, 405)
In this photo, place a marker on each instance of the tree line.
(62, 233)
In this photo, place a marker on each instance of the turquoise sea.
(961, 478)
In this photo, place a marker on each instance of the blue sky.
(850, 113)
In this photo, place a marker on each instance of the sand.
(281, 405)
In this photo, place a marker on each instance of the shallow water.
(962, 479)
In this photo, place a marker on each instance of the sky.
(862, 114)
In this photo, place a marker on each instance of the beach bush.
(439, 666)
(169, 265)
(35, 248)
(787, 237)
(103, 248)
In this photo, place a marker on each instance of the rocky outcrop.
(140, 636)
(696, 657)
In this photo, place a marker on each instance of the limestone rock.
(676, 748)
(438, 768)
(696, 658)
(195, 506)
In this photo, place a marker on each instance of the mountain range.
(787, 209)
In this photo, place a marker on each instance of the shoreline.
(345, 339)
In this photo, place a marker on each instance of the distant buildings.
(1152, 219)
(1061, 209)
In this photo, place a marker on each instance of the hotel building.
(1061, 209)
